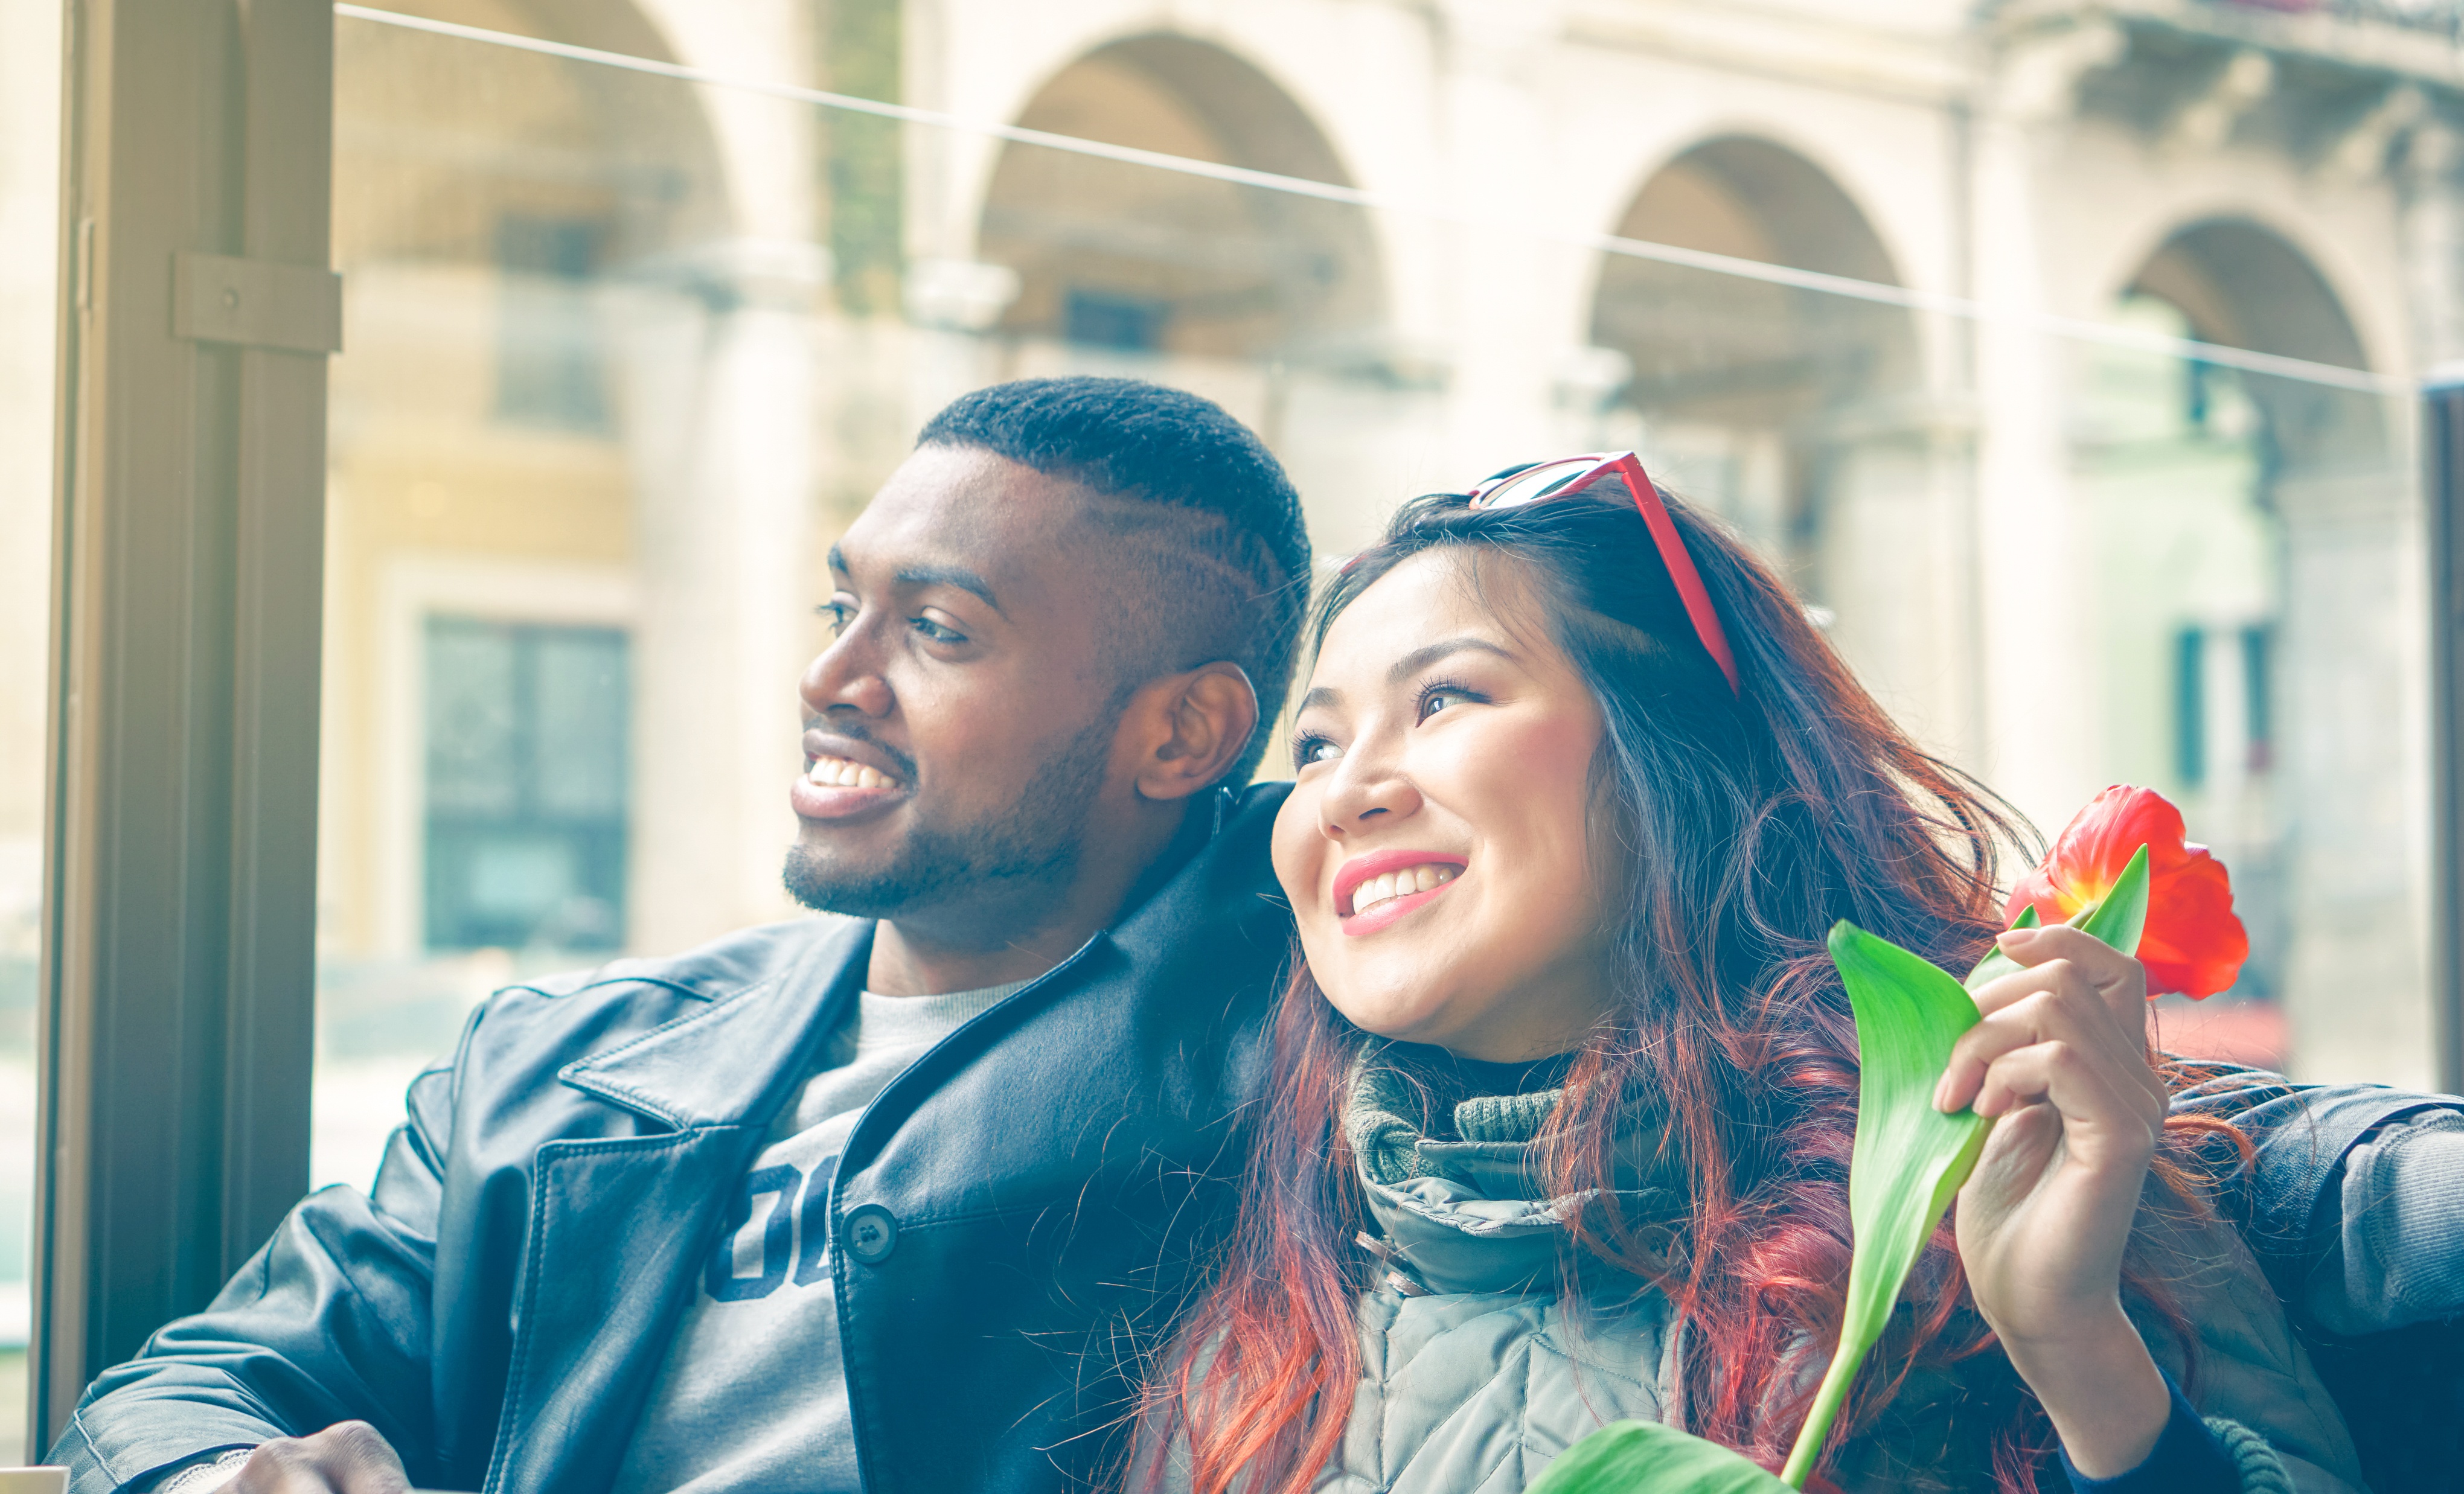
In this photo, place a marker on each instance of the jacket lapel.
(619, 1225)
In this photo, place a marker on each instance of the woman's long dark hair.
(1746, 823)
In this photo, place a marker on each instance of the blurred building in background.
(635, 324)
(624, 352)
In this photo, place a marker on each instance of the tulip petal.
(2194, 943)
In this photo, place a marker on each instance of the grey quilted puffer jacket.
(1475, 1374)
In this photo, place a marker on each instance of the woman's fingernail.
(2010, 937)
(1942, 1093)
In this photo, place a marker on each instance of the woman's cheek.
(1292, 851)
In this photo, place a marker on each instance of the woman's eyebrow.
(1419, 659)
(1406, 666)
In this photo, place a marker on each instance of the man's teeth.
(1400, 884)
(840, 773)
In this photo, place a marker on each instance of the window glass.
(30, 106)
(626, 351)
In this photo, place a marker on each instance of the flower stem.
(1835, 1380)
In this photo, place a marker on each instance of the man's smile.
(843, 779)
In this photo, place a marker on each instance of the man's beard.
(1028, 853)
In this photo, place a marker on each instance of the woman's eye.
(1313, 750)
(838, 614)
(938, 633)
(1438, 700)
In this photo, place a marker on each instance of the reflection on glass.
(30, 105)
(626, 354)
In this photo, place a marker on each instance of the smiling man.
(885, 1201)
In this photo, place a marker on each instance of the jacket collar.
(1473, 1215)
(732, 1061)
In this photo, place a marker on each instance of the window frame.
(188, 587)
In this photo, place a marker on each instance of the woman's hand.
(2061, 1058)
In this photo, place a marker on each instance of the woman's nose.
(844, 676)
(1370, 789)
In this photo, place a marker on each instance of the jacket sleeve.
(329, 1322)
(2394, 1255)
(2295, 1199)
(2242, 1362)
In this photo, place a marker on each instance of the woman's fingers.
(2104, 1117)
(2117, 980)
(2061, 1007)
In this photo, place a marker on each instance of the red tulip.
(2193, 942)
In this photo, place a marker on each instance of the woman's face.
(1435, 845)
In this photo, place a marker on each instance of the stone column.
(720, 398)
(2037, 715)
(1896, 561)
(2352, 773)
(1493, 56)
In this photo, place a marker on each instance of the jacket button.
(871, 1233)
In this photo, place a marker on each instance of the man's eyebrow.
(838, 561)
(1419, 659)
(958, 575)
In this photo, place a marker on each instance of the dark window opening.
(527, 785)
(2191, 707)
(2257, 666)
(1108, 318)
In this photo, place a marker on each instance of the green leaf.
(1647, 1458)
(2122, 916)
(1996, 964)
(1909, 1157)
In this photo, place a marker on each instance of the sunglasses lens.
(1539, 482)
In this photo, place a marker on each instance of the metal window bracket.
(255, 303)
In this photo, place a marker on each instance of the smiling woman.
(1397, 745)
(1566, 1057)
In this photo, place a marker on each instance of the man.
(885, 1201)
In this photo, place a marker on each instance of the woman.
(1563, 1093)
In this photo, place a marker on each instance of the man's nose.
(845, 675)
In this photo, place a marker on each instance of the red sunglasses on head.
(1572, 475)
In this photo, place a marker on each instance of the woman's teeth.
(1400, 884)
(840, 773)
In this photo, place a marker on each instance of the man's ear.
(1190, 729)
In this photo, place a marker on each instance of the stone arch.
(1793, 412)
(628, 163)
(1140, 259)
(2242, 284)
(1749, 386)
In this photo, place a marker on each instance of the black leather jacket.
(1036, 1184)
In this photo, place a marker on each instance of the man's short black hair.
(1215, 555)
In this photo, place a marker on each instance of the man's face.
(960, 726)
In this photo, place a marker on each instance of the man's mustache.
(857, 732)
